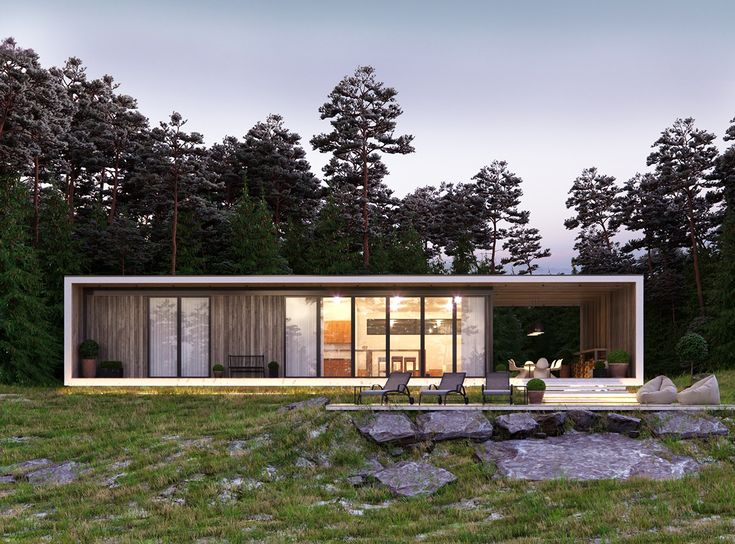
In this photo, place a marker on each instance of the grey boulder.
(314, 402)
(456, 424)
(386, 427)
(516, 425)
(685, 425)
(56, 474)
(411, 478)
(583, 420)
(618, 423)
(552, 424)
(582, 456)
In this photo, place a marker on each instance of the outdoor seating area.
(658, 392)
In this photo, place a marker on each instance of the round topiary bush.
(536, 385)
(219, 367)
(692, 349)
(501, 368)
(89, 349)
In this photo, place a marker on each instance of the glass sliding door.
(370, 339)
(301, 336)
(471, 335)
(405, 335)
(163, 337)
(195, 337)
(438, 335)
(337, 337)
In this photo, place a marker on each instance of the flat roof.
(559, 290)
(352, 280)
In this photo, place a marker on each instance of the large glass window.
(370, 339)
(471, 335)
(438, 333)
(301, 336)
(337, 337)
(405, 335)
(179, 332)
(163, 337)
(195, 337)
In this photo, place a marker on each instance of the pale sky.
(551, 87)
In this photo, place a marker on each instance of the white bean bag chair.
(705, 391)
(542, 368)
(659, 390)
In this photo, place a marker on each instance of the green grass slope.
(158, 469)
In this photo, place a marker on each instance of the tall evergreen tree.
(278, 172)
(723, 323)
(28, 352)
(363, 114)
(683, 159)
(179, 171)
(498, 191)
(523, 244)
(255, 246)
(595, 199)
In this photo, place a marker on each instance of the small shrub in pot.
(600, 370)
(218, 370)
(501, 368)
(88, 352)
(273, 369)
(535, 388)
(110, 369)
(617, 363)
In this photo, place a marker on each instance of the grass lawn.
(158, 470)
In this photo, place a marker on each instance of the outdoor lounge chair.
(451, 383)
(497, 384)
(397, 384)
(660, 390)
(705, 391)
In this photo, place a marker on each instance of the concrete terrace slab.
(530, 407)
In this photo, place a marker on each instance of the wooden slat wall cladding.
(622, 326)
(247, 325)
(609, 322)
(120, 325)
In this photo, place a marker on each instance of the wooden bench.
(246, 364)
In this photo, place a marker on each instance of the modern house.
(329, 330)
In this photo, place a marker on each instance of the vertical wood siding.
(248, 325)
(119, 323)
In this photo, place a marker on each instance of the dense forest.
(88, 185)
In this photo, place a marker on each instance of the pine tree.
(255, 247)
(498, 191)
(363, 115)
(596, 200)
(523, 244)
(723, 323)
(683, 159)
(278, 172)
(28, 352)
(178, 173)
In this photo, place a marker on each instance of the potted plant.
(218, 370)
(692, 351)
(273, 369)
(535, 388)
(600, 371)
(88, 351)
(110, 369)
(617, 363)
(501, 367)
